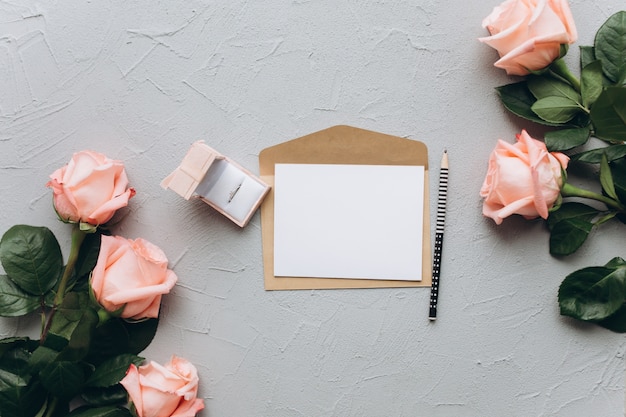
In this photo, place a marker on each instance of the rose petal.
(123, 277)
(499, 212)
(522, 178)
(164, 391)
(104, 213)
(130, 382)
(528, 34)
(189, 408)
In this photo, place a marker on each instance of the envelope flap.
(345, 145)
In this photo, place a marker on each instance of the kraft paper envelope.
(340, 145)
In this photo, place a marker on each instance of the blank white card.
(348, 221)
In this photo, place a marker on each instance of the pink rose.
(523, 178)
(90, 188)
(164, 391)
(528, 34)
(132, 274)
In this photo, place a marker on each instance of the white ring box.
(219, 181)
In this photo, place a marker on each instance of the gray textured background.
(141, 80)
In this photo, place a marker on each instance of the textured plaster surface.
(141, 80)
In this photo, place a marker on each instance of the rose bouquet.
(530, 178)
(98, 311)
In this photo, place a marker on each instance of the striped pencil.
(441, 218)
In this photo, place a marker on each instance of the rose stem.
(569, 190)
(78, 236)
(560, 68)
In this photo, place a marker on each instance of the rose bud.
(133, 275)
(90, 188)
(523, 178)
(164, 391)
(528, 34)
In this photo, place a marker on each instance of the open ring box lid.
(219, 181)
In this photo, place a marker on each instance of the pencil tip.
(444, 159)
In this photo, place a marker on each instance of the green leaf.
(594, 156)
(110, 411)
(565, 139)
(31, 257)
(591, 83)
(67, 317)
(61, 409)
(42, 357)
(57, 343)
(606, 178)
(9, 380)
(15, 369)
(74, 323)
(86, 261)
(615, 263)
(109, 339)
(111, 371)
(518, 99)
(608, 114)
(616, 322)
(22, 401)
(10, 343)
(572, 210)
(141, 334)
(544, 86)
(64, 379)
(580, 120)
(74, 305)
(618, 170)
(587, 56)
(102, 396)
(610, 47)
(82, 336)
(88, 255)
(117, 336)
(554, 109)
(568, 235)
(14, 301)
(593, 293)
(20, 393)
